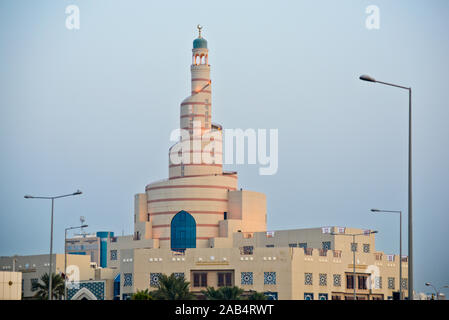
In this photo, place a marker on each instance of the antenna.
(82, 220)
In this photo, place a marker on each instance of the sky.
(92, 109)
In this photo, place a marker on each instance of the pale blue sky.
(93, 109)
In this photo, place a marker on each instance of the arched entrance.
(183, 231)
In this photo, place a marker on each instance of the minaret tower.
(199, 202)
(195, 117)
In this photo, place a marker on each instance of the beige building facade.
(10, 285)
(199, 225)
(33, 267)
(291, 264)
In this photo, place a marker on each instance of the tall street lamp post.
(65, 256)
(51, 233)
(353, 247)
(410, 209)
(400, 245)
(436, 291)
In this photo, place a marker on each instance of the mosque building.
(197, 224)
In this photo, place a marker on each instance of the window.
(293, 245)
(337, 280)
(308, 279)
(323, 252)
(323, 279)
(366, 248)
(148, 217)
(269, 245)
(183, 231)
(308, 296)
(349, 282)
(225, 215)
(224, 279)
(247, 250)
(322, 296)
(379, 256)
(362, 280)
(200, 279)
(303, 245)
(33, 284)
(308, 251)
(269, 278)
(336, 297)
(337, 253)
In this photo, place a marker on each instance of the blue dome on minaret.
(199, 42)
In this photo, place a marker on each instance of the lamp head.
(367, 78)
(27, 196)
(374, 231)
(427, 283)
(375, 210)
(77, 192)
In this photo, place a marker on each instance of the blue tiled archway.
(183, 231)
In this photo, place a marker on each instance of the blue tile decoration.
(269, 277)
(154, 279)
(323, 279)
(308, 296)
(404, 284)
(179, 275)
(322, 296)
(127, 279)
(326, 245)
(96, 287)
(390, 283)
(247, 278)
(337, 280)
(308, 279)
(354, 246)
(113, 254)
(366, 248)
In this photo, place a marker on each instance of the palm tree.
(257, 296)
(42, 287)
(142, 295)
(223, 293)
(172, 288)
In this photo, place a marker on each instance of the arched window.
(183, 231)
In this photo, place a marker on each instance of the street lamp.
(65, 256)
(436, 291)
(353, 235)
(410, 205)
(51, 232)
(400, 244)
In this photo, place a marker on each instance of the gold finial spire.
(199, 30)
